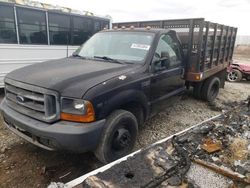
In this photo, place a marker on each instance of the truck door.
(166, 77)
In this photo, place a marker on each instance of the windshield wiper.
(108, 59)
(77, 55)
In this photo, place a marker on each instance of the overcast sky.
(228, 12)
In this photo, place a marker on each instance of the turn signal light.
(197, 77)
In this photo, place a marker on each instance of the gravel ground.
(207, 178)
(25, 165)
(188, 111)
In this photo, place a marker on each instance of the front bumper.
(61, 135)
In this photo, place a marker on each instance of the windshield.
(123, 46)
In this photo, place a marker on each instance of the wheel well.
(236, 68)
(222, 76)
(199, 86)
(137, 110)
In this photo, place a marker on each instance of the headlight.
(73, 106)
(77, 110)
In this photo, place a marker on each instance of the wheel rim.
(121, 139)
(232, 76)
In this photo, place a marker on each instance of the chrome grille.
(32, 101)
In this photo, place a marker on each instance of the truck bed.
(214, 153)
(208, 46)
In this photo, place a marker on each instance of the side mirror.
(165, 55)
(162, 62)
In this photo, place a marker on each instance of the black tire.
(234, 76)
(197, 90)
(118, 137)
(210, 89)
(248, 78)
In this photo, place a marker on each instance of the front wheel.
(248, 78)
(118, 137)
(234, 76)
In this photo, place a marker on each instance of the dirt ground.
(25, 165)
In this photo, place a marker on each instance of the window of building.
(7, 25)
(105, 24)
(100, 25)
(32, 26)
(59, 29)
(82, 30)
(97, 26)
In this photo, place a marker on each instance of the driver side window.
(166, 44)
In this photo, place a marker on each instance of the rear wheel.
(118, 137)
(210, 89)
(234, 76)
(197, 90)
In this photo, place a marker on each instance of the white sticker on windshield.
(140, 46)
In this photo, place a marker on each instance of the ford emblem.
(20, 99)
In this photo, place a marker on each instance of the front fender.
(124, 97)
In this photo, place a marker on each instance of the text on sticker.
(140, 46)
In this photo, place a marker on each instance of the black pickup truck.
(96, 99)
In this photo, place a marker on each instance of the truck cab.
(96, 99)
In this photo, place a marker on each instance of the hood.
(71, 77)
(243, 67)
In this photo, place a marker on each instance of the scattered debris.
(206, 178)
(43, 170)
(211, 146)
(238, 149)
(3, 149)
(219, 148)
(56, 185)
(224, 171)
(61, 177)
(248, 104)
(49, 171)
